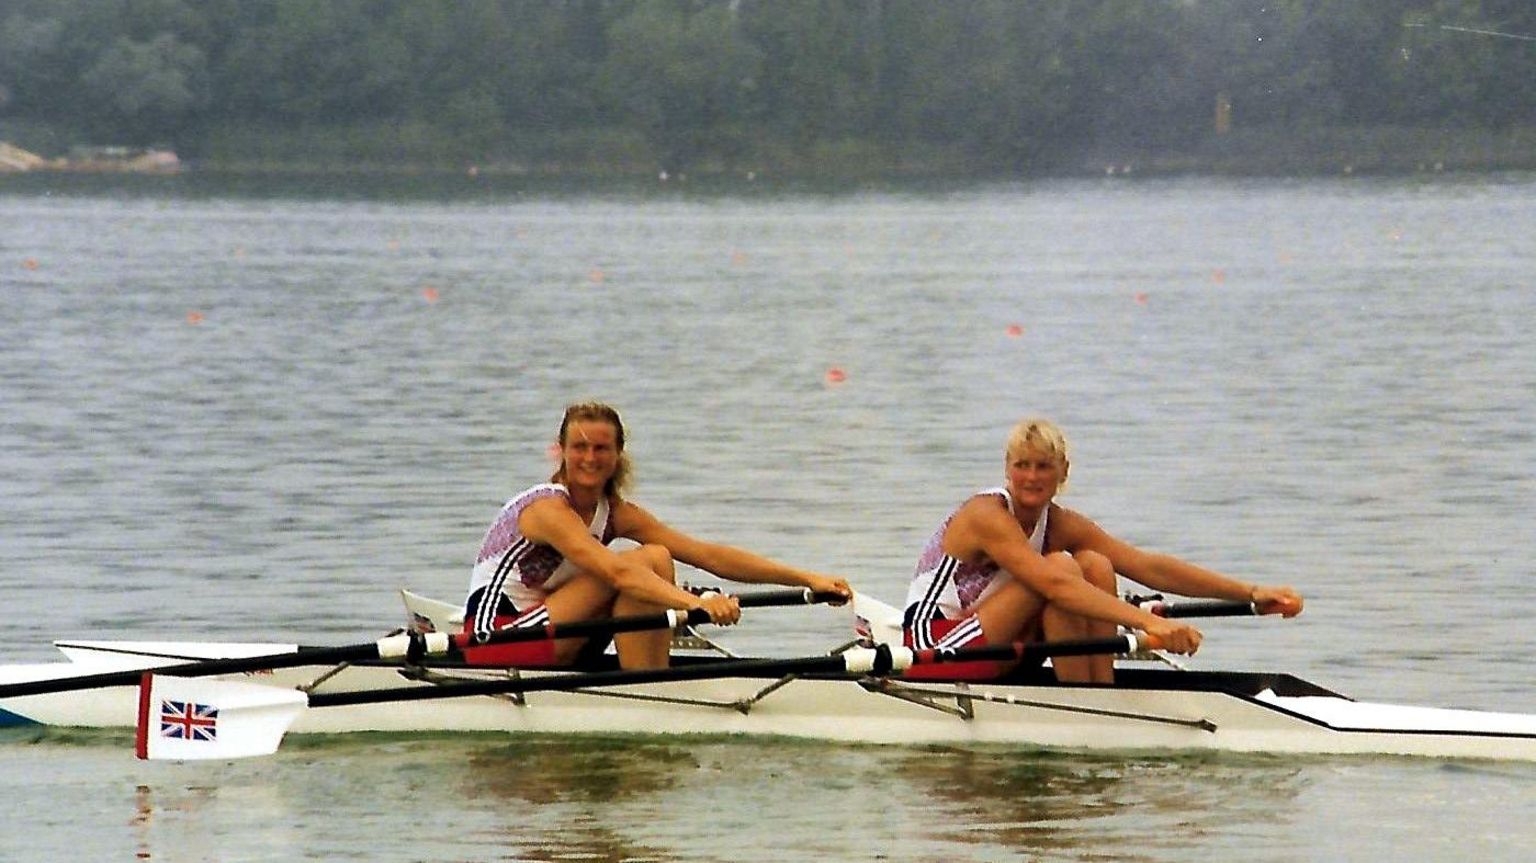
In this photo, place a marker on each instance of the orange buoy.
(429, 294)
(1014, 331)
(194, 317)
(836, 375)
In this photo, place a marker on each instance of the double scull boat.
(854, 694)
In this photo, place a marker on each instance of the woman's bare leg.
(1015, 613)
(1059, 625)
(649, 648)
(1011, 613)
(1100, 573)
(587, 597)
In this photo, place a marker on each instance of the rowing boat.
(1147, 708)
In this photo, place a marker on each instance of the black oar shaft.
(880, 663)
(1205, 608)
(406, 646)
(1155, 604)
(199, 668)
(790, 596)
(1077, 647)
(567, 682)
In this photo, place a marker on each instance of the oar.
(883, 622)
(197, 719)
(411, 646)
(1155, 604)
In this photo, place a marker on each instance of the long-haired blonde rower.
(546, 558)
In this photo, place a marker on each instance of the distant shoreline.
(1375, 151)
(1259, 152)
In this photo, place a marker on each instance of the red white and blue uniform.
(513, 575)
(945, 591)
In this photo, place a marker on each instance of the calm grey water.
(241, 416)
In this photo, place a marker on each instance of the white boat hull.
(1146, 710)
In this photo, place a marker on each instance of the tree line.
(973, 86)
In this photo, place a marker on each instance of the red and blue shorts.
(519, 653)
(941, 633)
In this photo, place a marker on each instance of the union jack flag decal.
(187, 720)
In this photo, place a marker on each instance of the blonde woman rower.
(1010, 564)
(546, 559)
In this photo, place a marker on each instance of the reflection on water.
(482, 797)
(558, 796)
(788, 800)
(1069, 807)
(586, 770)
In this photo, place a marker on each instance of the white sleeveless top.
(524, 570)
(944, 586)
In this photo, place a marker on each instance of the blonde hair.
(617, 484)
(1041, 436)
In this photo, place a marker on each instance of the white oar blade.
(875, 620)
(183, 718)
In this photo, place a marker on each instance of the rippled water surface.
(238, 415)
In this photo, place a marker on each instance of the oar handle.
(766, 598)
(789, 596)
(1130, 642)
(670, 619)
(1155, 604)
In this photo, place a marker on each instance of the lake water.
(247, 413)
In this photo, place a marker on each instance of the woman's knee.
(1097, 570)
(657, 559)
(1065, 561)
(1010, 613)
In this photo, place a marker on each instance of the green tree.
(819, 72)
(680, 72)
(143, 92)
(29, 68)
(984, 85)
